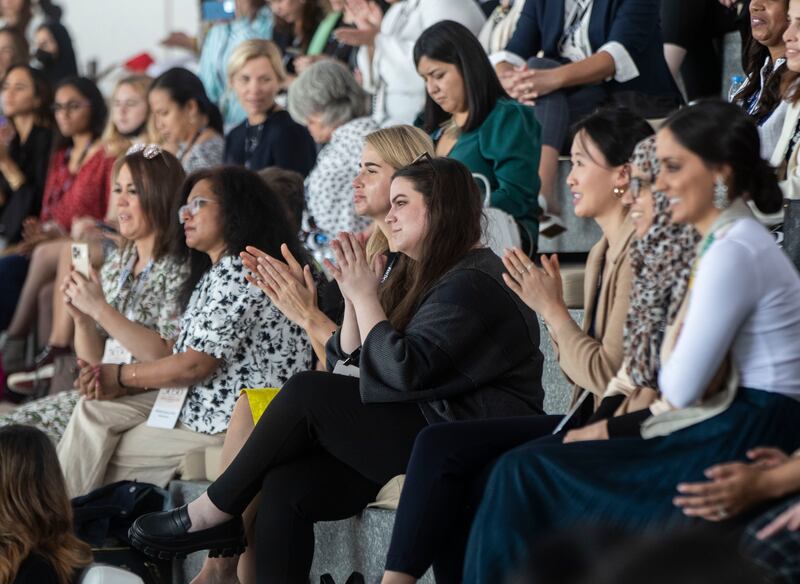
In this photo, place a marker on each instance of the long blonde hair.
(398, 146)
(116, 143)
(35, 513)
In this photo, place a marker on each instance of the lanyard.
(138, 284)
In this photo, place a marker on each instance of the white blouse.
(235, 322)
(746, 300)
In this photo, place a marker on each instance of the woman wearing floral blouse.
(135, 300)
(231, 337)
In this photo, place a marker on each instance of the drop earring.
(721, 200)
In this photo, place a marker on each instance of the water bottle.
(737, 81)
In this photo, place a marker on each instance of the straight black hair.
(615, 131)
(453, 43)
(252, 214)
(97, 105)
(184, 86)
(41, 89)
(720, 133)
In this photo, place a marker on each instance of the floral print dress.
(149, 298)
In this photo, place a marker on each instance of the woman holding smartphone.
(132, 306)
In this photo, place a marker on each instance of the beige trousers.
(108, 441)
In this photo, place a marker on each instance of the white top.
(391, 76)
(575, 46)
(257, 345)
(745, 298)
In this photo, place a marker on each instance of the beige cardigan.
(591, 362)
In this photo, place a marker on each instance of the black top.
(36, 570)
(471, 350)
(32, 157)
(279, 141)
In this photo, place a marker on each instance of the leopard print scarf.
(661, 262)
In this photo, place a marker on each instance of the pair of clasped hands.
(291, 286)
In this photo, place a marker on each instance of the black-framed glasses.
(69, 107)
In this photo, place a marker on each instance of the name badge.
(116, 354)
(167, 408)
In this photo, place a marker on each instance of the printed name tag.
(167, 408)
(116, 353)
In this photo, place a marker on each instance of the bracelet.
(119, 378)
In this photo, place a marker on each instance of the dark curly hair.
(252, 214)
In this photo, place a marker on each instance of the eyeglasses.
(637, 185)
(192, 208)
(69, 107)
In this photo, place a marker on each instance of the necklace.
(253, 134)
(191, 143)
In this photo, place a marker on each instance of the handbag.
(500, 230)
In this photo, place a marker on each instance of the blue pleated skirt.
(627, 483)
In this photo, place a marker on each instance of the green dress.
(505, 149)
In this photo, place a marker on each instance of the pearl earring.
(619, 192)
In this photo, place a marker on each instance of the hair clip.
(149, 151)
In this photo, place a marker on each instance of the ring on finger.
(722, 512)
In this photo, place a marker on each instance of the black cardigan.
(32, 157)
(284, 143)
(470, 351)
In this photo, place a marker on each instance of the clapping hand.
(356, 278)
(368, 18)
(540, 288)
(289, 286)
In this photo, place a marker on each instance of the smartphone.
(218, 10)
(80, 258)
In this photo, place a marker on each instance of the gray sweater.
(471, 350)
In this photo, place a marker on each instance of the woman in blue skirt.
(742, 308)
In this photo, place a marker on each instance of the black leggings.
(317, 454)
(446, 477)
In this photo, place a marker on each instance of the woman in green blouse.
(472, 119)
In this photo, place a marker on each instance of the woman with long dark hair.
(26, 97)
(131, 306)
(328, 442)
(186, 119)
(447, 471)
(230, 337)
(472, 119)
(743, 302)
(36, 532)
(77, 185)
(767, 75)
(54, 52)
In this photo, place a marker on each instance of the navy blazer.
(635, 24)
(284, 143)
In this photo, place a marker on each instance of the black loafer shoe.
(166, 536)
